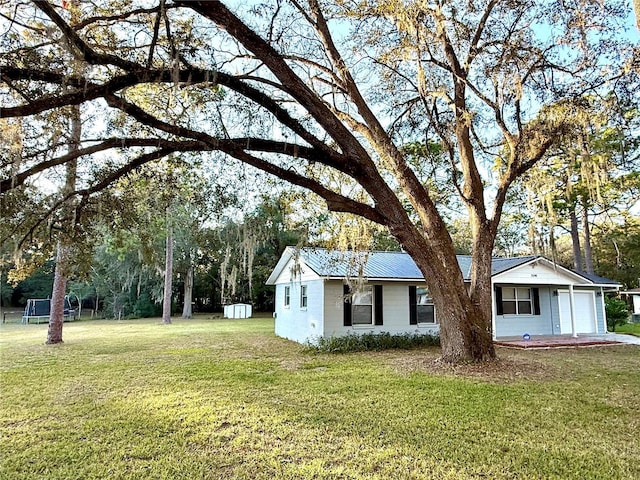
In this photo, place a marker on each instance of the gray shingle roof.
(595, 278)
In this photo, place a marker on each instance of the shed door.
(584, 311)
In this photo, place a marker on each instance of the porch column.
(604, 312)
(493, 311)
(571, 309)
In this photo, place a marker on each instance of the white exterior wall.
(395, 311)
(333, 301)
(636, 304)
(295, 322)
(536, 274)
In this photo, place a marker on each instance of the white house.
(532, 296)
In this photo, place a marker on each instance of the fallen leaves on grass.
(507, 368)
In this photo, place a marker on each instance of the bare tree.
(315, 91)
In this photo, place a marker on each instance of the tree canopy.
(324, 95)
(590, 175)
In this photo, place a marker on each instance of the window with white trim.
(517, 301)
(303, 296)
(287, 296)
(425, 310)
(362, 306)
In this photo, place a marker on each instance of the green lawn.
(211, 398)
(631, 328)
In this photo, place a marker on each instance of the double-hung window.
(517, 301)
(425, 310)
(303, 296)
(287, 296)
(421, 308)
(362, 306)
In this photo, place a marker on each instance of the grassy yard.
(225, 399)
(631, 328)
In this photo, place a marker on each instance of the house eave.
(380, 279)
(572, 277)
(579, 279)
(282, 263)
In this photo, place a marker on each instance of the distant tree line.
(123, 280)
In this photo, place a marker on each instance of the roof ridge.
(459, 255)
(377, 264)
(354, 251)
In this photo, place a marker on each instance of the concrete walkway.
(619, 337)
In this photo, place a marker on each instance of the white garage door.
(584, 310)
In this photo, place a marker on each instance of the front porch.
(566, 341)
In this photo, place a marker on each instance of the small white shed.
(237, 310)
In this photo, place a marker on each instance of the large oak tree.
(312, 91)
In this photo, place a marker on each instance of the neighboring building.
(634, 295)
(531, 296)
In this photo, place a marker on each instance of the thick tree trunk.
(465, 335)
(478, 318)
(56, 316)
(168, 278)
(187, 311)
(575, 240)
(463, 311)
(465, 326)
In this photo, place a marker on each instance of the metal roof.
(385, 265)
(377, 265)
(333, 263)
